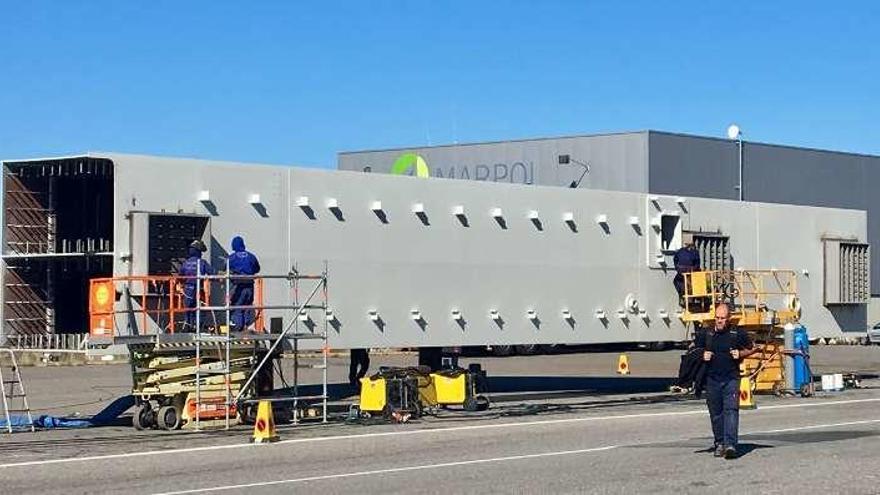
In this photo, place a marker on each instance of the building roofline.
(110, 155)
(480, 143)
(761, 143)
(75, 156)
(646, 131)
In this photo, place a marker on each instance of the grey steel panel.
(403, 264)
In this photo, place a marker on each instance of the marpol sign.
(414, 164)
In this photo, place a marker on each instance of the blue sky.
(295, 82)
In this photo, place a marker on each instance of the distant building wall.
(618, 162)
(663, 163)
(708, 167)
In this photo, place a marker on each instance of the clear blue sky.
(295, 82)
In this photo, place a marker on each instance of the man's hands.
(734, 353)
(707, 355)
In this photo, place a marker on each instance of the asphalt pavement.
(560, 441)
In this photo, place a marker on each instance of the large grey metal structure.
(417, 262)
(662, 163)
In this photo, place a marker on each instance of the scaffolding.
(240, 376)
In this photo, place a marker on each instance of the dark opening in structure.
(57, 234)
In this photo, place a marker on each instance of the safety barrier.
(755, 297)
(53, 341)
(157, 302)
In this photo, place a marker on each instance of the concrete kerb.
(52, 358)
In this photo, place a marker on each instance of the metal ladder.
(10, 394)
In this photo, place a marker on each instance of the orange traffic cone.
(746, 398)
(622, 365)
(264, 428)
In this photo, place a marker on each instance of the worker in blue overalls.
(686, 260)
(191, 268)
(242, 262)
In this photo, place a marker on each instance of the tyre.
(527, 349)
(502, 350)
(778, 389)
(657, 346)
(168, 418)
(807, 390)
(476, 403)
(143, 417)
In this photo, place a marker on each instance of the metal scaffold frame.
(268, 347)
(292, 334)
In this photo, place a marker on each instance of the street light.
(734, 132)
(567, 160)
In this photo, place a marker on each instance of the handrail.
(750, 294)
(160, 297)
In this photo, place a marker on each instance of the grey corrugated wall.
(699, 166)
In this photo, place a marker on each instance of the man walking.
(724, 348)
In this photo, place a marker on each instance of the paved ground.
(566, 438)
(86, 390)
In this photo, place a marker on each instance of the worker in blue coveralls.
(192, 267)
(242, 262)
(686, 260)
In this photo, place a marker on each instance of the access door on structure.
(159, 241)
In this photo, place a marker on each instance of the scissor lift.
(207, 374)
(762, 302)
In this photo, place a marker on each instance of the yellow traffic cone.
(746, 398)
(622, 365)
(264, 428)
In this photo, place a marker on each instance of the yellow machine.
(411, 390)
(374, 394)
(456, 387)
(762, 302)
(393, 390)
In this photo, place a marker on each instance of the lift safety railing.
(755, 297)
(155, 304)
(106, 294)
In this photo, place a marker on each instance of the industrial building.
(657, 163)
(416, 262)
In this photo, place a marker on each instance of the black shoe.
(719, 450)
(729, 453)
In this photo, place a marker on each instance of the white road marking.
(395, 470)
(423, 431)
(812, 427)
(482, 461)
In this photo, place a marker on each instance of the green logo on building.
(407, 161)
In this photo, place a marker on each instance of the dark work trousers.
(722, 396)
(360, 363)
(189, 303)
(678, 282)
(242, 295)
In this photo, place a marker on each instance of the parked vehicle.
(874, 334)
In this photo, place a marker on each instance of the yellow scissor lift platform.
(762, 302)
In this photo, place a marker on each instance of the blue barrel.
(801, 370)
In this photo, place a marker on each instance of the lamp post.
(734, 132)
(567, 160)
